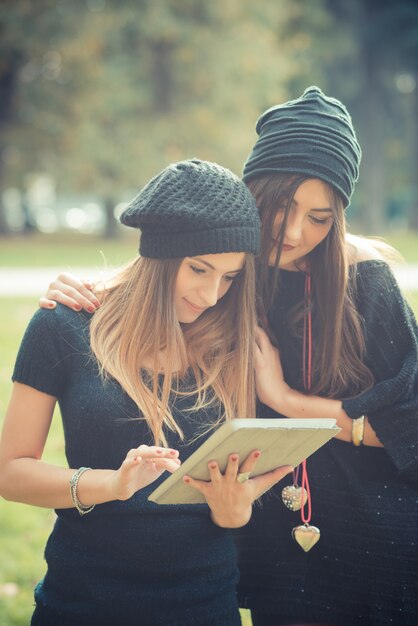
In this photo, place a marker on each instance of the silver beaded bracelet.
(73, 491)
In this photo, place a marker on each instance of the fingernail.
(234, 457)
(51, 305)
(91, 309)
(257, 454)
(212, 465)
(77, 307)
(186, 479)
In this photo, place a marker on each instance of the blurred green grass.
(24, 529)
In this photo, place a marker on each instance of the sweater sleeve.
(392, 355)
(40, 362)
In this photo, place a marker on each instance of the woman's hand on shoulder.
(230, 495)
(140, 468)
(71, 292)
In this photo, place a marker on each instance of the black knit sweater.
(131, 562)
(364, 570)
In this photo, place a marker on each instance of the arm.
(392, 350)
(273, 391)
(72, 292)
(25, 478)
(230, 500)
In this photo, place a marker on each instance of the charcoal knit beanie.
(312, 135)
(194, 207)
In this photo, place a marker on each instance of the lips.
(196, 309)
(285, 247)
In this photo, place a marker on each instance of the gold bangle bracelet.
(357, 431)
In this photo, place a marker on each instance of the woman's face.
(202, 280)
(309, 222)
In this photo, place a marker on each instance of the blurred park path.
(35, 281)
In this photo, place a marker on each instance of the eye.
(230, 279)
(197, 270)
(321, 221)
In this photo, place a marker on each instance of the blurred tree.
(36, 86)
(132, 86)
(100, 94)
(366, 53)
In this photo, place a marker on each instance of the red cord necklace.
(295, 497)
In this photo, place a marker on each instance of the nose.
(294, 227)
(209, 294)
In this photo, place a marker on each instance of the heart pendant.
(306, 536)
(294, 497)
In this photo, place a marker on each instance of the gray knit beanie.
(311, 135)
(194, 207)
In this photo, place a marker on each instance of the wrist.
(96, 487)
(232, 520)
(284, 400)
(112, 485)
(279, 399)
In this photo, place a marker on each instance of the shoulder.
(363, 249)
(60, 317)
(56, 325)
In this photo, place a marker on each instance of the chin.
(189, 318)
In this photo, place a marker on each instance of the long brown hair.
(137, 322)
(338, 364)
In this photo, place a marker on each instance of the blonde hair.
(137, 322)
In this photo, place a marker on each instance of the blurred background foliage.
(96, 96)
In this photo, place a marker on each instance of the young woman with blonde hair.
(168, 356)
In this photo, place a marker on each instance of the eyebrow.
(327, 210)
(196, 258)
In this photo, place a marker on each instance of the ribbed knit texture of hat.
(194, 207)
(312, 135)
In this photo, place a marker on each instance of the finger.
(215, 475)
(200, 485)
(84, 298)
(130, 462)
(74, 288)
(261, 335)
(257, 336)
(88, 284)
(250, 462)
(56, 295)
(266, 481)
(157, 452)
(232, 467)
(170, 465)
(44, 303)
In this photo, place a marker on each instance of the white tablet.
(281, 442)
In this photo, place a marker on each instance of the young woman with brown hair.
(167, 357)
(331, 305)
(346, 334)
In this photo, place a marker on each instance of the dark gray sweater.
(132, 562)
(364, 570)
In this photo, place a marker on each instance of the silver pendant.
(294, 497)
(306, 536)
